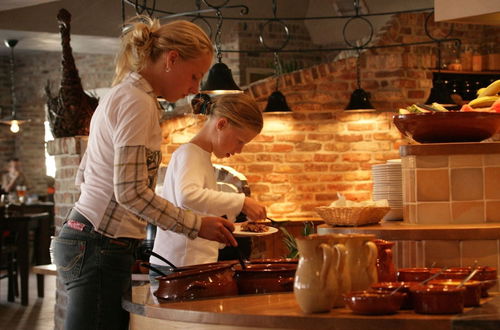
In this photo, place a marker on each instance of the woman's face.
(184, 76)
(230, 139)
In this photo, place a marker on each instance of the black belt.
(76, 220)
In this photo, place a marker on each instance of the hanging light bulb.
(13, 122)
(220, 79)
(14, 126)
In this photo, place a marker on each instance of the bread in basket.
(349, 213)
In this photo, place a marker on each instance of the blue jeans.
(96, 271)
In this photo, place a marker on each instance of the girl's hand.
(217, 229)
(253, 209)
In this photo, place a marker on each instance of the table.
(22, 224)
(281, 311)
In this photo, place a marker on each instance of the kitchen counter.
(280, 311)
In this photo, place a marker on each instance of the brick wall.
(301, 160)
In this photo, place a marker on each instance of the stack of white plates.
(388, 184)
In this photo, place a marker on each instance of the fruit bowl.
(451, 126)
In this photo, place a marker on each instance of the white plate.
(238, 233)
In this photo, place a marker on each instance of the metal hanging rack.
(142, 7)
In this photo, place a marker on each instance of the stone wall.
(32, 71)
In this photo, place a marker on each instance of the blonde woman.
(190, 183)
(94, 249)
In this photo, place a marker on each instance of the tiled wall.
(458, 189)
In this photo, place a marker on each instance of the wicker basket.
(352, 216)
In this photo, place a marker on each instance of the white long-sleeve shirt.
(190, 184)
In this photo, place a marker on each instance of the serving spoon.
(471, 275)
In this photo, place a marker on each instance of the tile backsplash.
(454, 188)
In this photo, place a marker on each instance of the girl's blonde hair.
(144, 40)
(240, 109)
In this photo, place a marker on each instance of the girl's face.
(183, 76)
(230, 139)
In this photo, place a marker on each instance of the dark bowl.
(472, 295)
(438, 299)
(374, 302)
(486, 275)
(415, 274)
(403, 287)
(451, 126)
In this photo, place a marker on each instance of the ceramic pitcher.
(316, 284)
(385, 266)
(361, 260)
(343, 275)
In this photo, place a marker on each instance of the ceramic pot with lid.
(264, 277)
(201, 282)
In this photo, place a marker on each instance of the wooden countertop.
(398, 230)
(282, 311)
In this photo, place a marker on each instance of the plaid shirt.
(132, 200)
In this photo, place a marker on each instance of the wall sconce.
(220, 79)
(13, 122)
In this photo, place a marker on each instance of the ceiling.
(95, 25)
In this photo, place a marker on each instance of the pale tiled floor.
(38, 315)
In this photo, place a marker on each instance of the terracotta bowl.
(265, 277)
(388, 287)
(197, 283)
(472, 294)
(415, 274)
(438, 299)
(451, 126)
(486, 275)
(374, 302)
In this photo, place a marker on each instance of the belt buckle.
(75, 225)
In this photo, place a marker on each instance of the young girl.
(94, 251)
(190, 183)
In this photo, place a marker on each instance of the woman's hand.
(253, 209)
(217, 229)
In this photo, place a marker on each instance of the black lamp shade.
(220, 81)
(360, 101)
(439, 94)
(276, 102)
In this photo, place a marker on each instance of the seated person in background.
(190, 182)
(14, 176)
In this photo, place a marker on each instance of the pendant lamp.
(360, 99)
(220, 79)
(13, 122)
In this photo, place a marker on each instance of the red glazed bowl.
(438, 299)
(389, 287)
(486, 275)
(197, 283)
(415, 274)
(374, 302)
(264, 278)
(472, 294)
